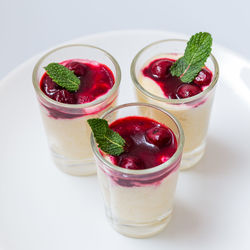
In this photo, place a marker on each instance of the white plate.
(42, 208)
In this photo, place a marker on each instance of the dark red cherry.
(203, 78)
(100, 89)
(64, 96)
(81, 98)
(103, 76)
(78, 68)
(160, 68)
(49, 87)
(89, 88)
(131, 162)
(129, 143)
(187, 90)
(159, 136)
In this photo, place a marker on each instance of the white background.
(28, 27)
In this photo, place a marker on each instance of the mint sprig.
(196, 53)
(108, 140)
(63, 76)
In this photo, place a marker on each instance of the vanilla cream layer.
(70, 138)
(135, 205)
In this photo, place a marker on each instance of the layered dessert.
(165, 80)
(140, 204)
(65, 110)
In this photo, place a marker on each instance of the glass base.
(189, 159)
(141, 230)
(74, 167)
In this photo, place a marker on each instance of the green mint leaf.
(63, 76)
(196, 53)
(108, 140)
(178, 67)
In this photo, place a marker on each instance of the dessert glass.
(193, 112)
(66, 124)
(139, 203)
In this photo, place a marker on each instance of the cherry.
(95, 80)
(78, 68)
(187, 90)
(103, 76)
(49, 87)
(100, 89)
(82, 98)
(160, 68)
(159, 136)
(64, 96)
(131, 162)
(203, 78)
(141, 150)
(129, 143)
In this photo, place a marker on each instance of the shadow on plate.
(185, 224)
(193, 218)
(219, 158)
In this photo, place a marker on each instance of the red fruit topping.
(160, 68)
(203, 78)
(55, 92)
(64, 96)
(95, 80)
(103, 75)
(78, 68)
(147, 142)
(49, 87)
(81, 98)
(159, 136)
(172, 87)
(131, 162)
(139, 154)
(100, 89)
(187, 90)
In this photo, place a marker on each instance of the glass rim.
(167, 100)
(160, 167)
(84, 105)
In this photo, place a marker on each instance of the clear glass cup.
(193, 112)
(66, 124)
(139, 203)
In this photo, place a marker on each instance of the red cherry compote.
(95, 80)
(148, 143)
(172, 87)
